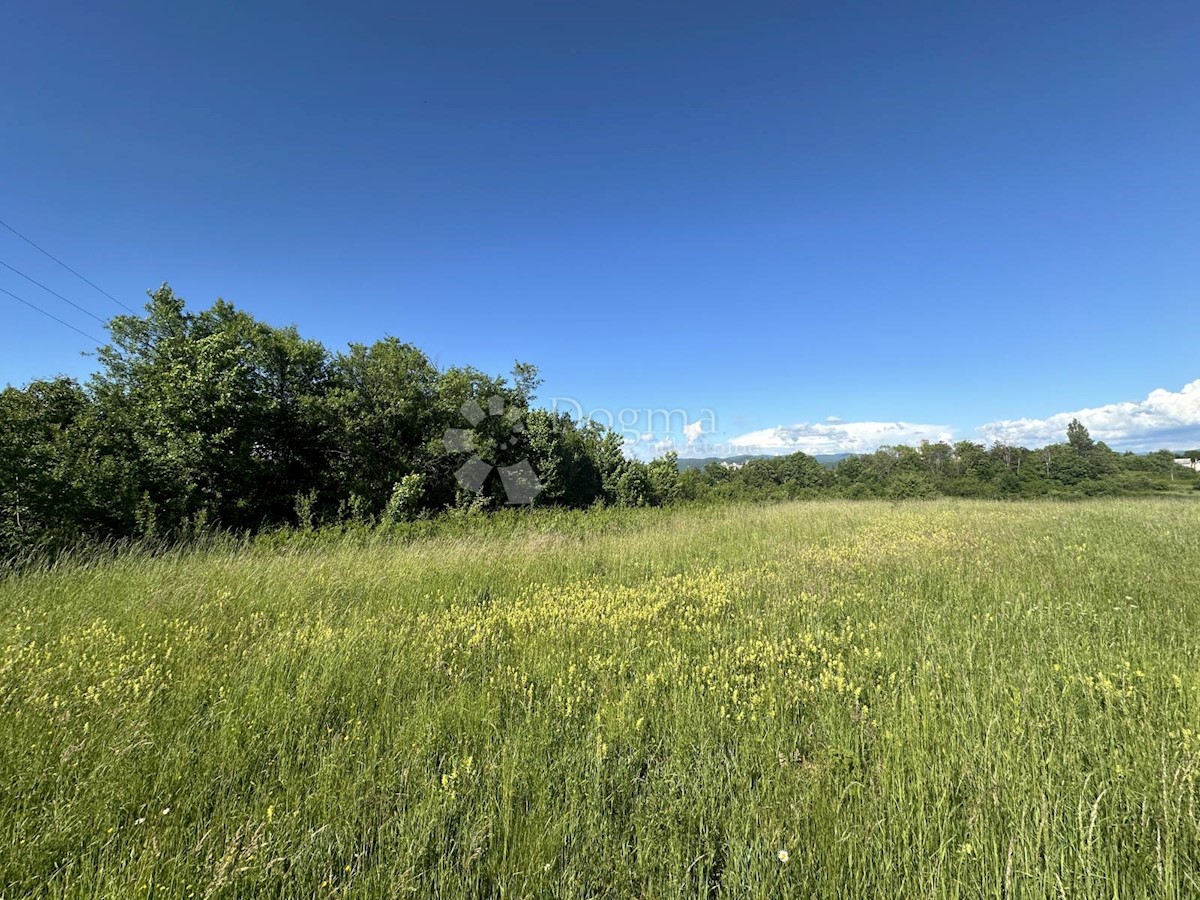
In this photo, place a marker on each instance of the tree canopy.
(212, 419)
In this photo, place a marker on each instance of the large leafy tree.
(560, 457)
(1079, 439)
(380, 413)
(215, 408)
(40, 503)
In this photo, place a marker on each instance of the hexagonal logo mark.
(521, 484)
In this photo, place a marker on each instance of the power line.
(51, 316)
(68, 268)
(54, 292)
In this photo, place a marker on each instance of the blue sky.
(967, 218)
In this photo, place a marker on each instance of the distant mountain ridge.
(699, 462)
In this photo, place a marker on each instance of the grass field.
(925, 700)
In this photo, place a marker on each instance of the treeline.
(213, 419)
(1077, 467)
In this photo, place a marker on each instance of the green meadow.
(825, 699)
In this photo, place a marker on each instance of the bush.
(405, 503)
(910, 486)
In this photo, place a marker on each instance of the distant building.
(1193, 465)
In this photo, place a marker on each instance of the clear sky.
(949, 215)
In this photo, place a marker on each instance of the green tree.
(381, 414)
(909, 485)
(561, 457)
(1079, 439)
(633, 485)
(212, 410)
(40, 500)
(663, 476)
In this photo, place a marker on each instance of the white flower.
(783, 856)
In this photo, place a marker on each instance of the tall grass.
(945, 699)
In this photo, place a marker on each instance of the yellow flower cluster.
(592, 649)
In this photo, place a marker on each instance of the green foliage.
(305, 507)
(910, 486)
(966, 469)
(1079, 439)
(564, 458)
(38, 471)
(407, 500)
(381, 411)
(212, 420)
(633, 485)
(663, 477)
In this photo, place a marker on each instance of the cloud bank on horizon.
(1169, 419)
(1164, 419)
(836, 437)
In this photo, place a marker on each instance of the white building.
(1194, 466)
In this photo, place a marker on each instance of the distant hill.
(831, 459)
(825, 459)
(702, 461)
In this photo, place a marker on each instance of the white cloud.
(836, 437)
(693, 430)
(1164, 419)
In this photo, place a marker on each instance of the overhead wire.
(82, 309)
(78, 275)
(50, 315)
